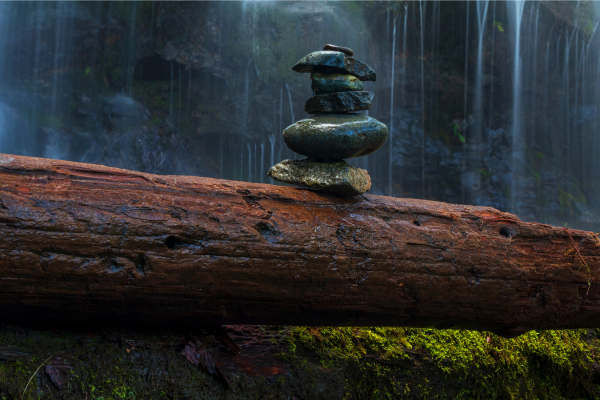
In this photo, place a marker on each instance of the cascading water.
(482, 10)
(515, 12)
(422, 8)
(291, 103)
(391, 125)
(404, 57)
(3, 33)
(465, 112)
(117, 84)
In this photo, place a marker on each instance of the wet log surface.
(88, 244)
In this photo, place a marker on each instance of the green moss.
(465, 364)
(324, 363)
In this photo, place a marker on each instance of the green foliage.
(499, 26)
(568, 197)
(485, 172)
(458, 134)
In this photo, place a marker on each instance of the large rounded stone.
(331, 83)
(334, 137)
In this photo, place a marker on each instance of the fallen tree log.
(83, 243)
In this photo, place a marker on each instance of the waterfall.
(221, 157)
(179, 100)
(595, 142)
(246, 94)
(171, 99)
(465, 114)
(435, 43)
(189, 89)
(567, 106)
(249, 164)
(262, 162)
(482, 9)
(534, 97)
(58, 36)
(291, 105)
(422, 8)
(391, 130)
(521, 81)
(515, 12)
(131, 67)
(545, 115)
(404, 59)
(3, 136)
(3, 33)
(242, 163)
(281, 110)
(492, 64)
(272, 141)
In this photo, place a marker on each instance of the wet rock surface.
(334, 137)
(333, 134)
(335, 62)
(331, 83)
(333, 177)
(338, 102)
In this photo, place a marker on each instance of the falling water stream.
(391, 126)
(487, 102)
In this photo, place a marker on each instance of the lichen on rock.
(333, 177)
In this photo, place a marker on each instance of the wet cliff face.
(488, 103)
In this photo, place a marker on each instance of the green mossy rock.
(335, 62)
(338, 102)
(336, 177)
(334, 137)
(331, 83)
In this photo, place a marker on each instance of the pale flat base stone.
(333, 177)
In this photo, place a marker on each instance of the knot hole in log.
(504, 231)
(173, 242)
(266, 229)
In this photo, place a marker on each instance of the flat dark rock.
(332, 177)
(344, 50)
(337, 102)
(334, 137)
(331, 83)
(335, 62)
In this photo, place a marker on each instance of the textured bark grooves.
(84, 243)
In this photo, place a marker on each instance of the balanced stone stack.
(335, 132)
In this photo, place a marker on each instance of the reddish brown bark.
(85, 243)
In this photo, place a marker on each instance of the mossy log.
(83, 244)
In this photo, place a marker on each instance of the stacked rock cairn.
(334, 132)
